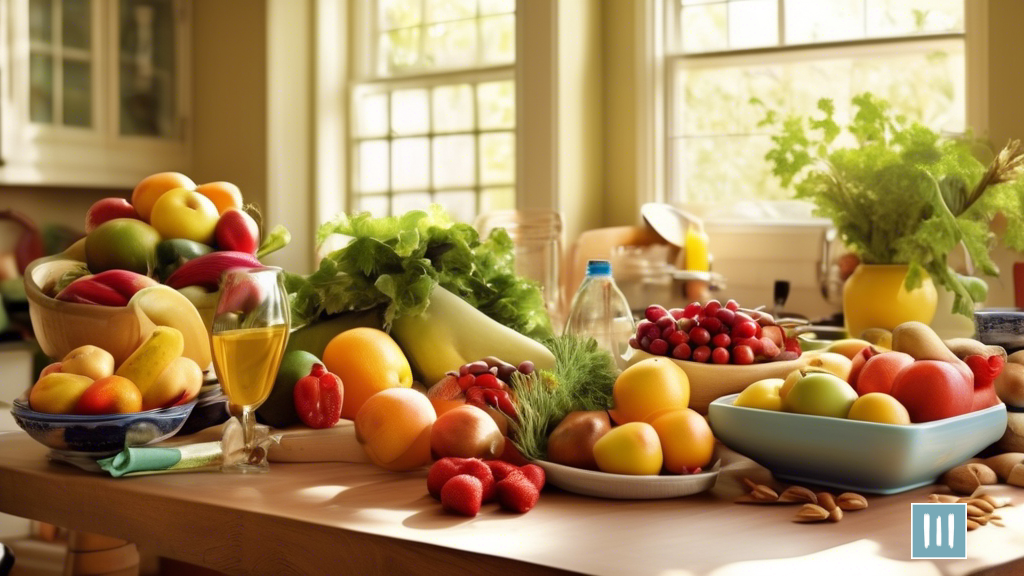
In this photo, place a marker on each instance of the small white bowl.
(627, 487)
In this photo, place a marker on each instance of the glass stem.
(248, 430)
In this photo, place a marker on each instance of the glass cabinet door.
(61, 62)
(147, 72)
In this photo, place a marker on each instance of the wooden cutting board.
(299, 443)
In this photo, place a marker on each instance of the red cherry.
(721, 340)
(728, 317)
(658, 347)
(700, 336)
(681, 352)
(677, 338)
(712, 308)
(732, 305)
(701, 354)
(677, 313)
(633, 343)
(742, 355)
(744, 329)
(692, 309)
(654, 312)
(720, 355)
(711, 324)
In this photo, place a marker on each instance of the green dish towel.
(205, 456)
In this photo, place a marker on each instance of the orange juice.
(247, 361)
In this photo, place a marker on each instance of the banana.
(152, 357)
(162, 306)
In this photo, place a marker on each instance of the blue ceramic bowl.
(851, 454)
(1001, 327)
(98, 436)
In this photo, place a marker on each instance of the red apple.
(859, 360)
(108, 209)
(879, 372)
(933, 390)
(237, 231)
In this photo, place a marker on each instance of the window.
(788, 54)
(433, 114)
(61, 63)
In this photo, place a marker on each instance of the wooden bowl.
(711, 381)
(60, 327)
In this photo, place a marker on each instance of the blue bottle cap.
(599, 268)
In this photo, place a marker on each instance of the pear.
(921, 342)
(964, 347)
(572, 441)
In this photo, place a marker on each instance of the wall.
(620, 47)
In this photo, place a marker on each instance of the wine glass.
(250, 331)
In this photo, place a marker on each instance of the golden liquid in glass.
(247, 361)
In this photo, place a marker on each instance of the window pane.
(753, 23)
(147, 57)
(399, 50)
(373, 166)
(410, 113)
(453, 108)
(497, 6)
(41, 88)
(705, 28)
(454, 162)
(399, 13)
(493, 199)
(445, 10)
(402, 203)
(714, 119)
(371, 114)
(379, 205)
(816, 21)
(40, 20)
(497, 158)
(497, 104)
(499, 39)
(76, 20)
(410, 168)
(450, 45)
(895, 17)
(77, 93)
(460, 204)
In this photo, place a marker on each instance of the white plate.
(627, 487)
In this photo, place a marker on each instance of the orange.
(367, 361)
(648, 387)
(686, 439)
(394, 428)
(224, 195)
(153, 187)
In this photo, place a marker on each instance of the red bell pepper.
(985, 372)
(318, 398)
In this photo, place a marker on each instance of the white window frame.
(365, 78)
(98, 156)
(661, 19)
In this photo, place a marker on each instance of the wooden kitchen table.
(357, 519)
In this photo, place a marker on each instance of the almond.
(943, 498)
(973, 510)
(798, 495)
(979, 503)
(851, 501)
(750, 484)
(994, 501)
(998, 523)
(826, 501)
(811, 513)
(764, 493)
(835, 515)
(983, 520)
(972, 525)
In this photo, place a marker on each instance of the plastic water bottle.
(599, 310)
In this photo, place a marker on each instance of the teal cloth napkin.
(204, 456)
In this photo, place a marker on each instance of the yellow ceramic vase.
(874, 297)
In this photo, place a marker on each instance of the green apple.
(763, 394)
(187, 214)
(820, 394)
(122, 244)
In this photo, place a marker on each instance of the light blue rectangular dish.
(850, 454)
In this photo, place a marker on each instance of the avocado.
(279, 409)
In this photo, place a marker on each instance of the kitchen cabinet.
(93, 92)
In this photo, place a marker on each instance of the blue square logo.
(938, 531)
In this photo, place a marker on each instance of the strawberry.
(517, 493)
(500, 469)
(463, 494)
(535, 474)
(447, 468)
(441, 472)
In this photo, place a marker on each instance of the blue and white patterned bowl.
(103, 435)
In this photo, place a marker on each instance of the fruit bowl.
(851, 454)
(626, 487)
(98, 436)
(710, 381)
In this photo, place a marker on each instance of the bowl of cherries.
(721, 347)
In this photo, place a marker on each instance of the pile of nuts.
(816, 506)
(980, 509)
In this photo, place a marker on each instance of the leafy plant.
(396, 261)
(583, 379)
(900, 193)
